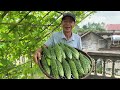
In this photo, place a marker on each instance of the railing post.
(103, 67)
(95, 68)
(113, 67)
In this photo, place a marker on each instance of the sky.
(108, 17)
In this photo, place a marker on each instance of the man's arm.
(79, 43)
(37, 54)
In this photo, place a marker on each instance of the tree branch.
(3, 15)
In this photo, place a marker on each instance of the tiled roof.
(112, 27)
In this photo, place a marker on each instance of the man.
(65, 36)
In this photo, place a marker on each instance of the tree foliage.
(21, 33)
(93, 27)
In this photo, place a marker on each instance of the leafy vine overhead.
(21, 33)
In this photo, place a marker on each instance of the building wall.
(109, 43)
(93, 42)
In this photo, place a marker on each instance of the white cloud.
(108, 17)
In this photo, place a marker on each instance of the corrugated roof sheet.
(112, 27)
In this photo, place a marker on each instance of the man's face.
(67, 24)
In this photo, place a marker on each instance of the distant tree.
(84, 26)
(93, 27)
(76, 29)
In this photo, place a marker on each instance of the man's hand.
(37, 56)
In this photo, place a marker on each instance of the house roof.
(85, 33)
(112, 27)
(93, 33)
